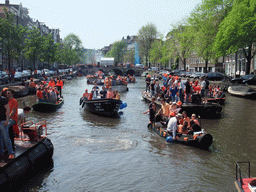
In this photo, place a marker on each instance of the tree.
(33, 45)
(118, 51)
(49, 49)
(237, 31)
(205, 20)
(146, 36)
(129, 56)
(181, 42)
(156, 51)
(72, 51)
(12, 37)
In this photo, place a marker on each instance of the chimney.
(7, 2)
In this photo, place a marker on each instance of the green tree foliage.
(118, 51)
(205, 20)
(156, 51)
(33, 45)
(11, 37)
(146, 36)
(72, 51)
(180, 40)
(238, 30)
(129, 56)
(49, 50)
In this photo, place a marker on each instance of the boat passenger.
(94, 92)
(103, 93)
(86, 94)
(59, 85)
(13, 116)
(117, 95)
(53, 95)
(186, 118)
(39, 95)
(4, 119)
(173, 109)
(110, 93)
(46, 95)
(51, 83)
(32, 83)
(107, 82)
(183, 128)
(22, 114)
(164, 111)
(193, 117)
(151, 110)
(172, 125)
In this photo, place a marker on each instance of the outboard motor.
(196, 99)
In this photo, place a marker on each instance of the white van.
(139, 66)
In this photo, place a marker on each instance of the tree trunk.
(249, 58)
(206, 65)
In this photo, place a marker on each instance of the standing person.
(206, 90)
(103, 93)
(35, 73)
(12, 74)
(203, 87)
(188, 89)
(148, 80)
(152, 88)
(164, 111)
(22, 114)
(13, 116)
(152, 110)
(181, 89)
(173, 125)
(51, 83)
(4, 135)
(59, 86)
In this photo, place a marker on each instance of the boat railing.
(238, 171)
(35, 132)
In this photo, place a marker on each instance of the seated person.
(185, 117)
(117, 95)
(110, 93)
(86, 94)
(183, 128)
(193, 117)
(103, 93)
(32, 83)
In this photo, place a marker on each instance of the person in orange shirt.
(39, 95)
(51, 83)
(32, 83)
(107, 82)
(86, 94)
(12, 124)
(59, 85)
(110, 93)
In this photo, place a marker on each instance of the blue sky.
(99, 23)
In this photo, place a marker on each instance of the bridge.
(123, 71)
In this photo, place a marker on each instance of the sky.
(99, 23)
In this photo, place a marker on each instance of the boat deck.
(20, 147)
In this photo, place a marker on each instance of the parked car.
(240, 80)
(52, 72)
(46, 72)
(27, 73)
(216, 76)
(141, 66)
(4, 79)
(19, 76)
(251, 81)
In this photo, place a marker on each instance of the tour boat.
(47, 106)
(195, 107)
(104, 107)
(242, 91)
(247, 184)
(198, 138)
(33, 154)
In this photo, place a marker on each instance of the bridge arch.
(117, 71)
(131, 72)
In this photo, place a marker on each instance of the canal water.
(93, 153)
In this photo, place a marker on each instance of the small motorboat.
(33, 154)
(221, 101)
(47, 107)
(242, 91)
(19, 90)
(120, 87)
(198, 138)
(247, 184)
(196, 106)
(104, 107)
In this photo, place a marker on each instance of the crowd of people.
(48, 92)
(10, 118)
(172, 95)
(174, 89)
(96, 93)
